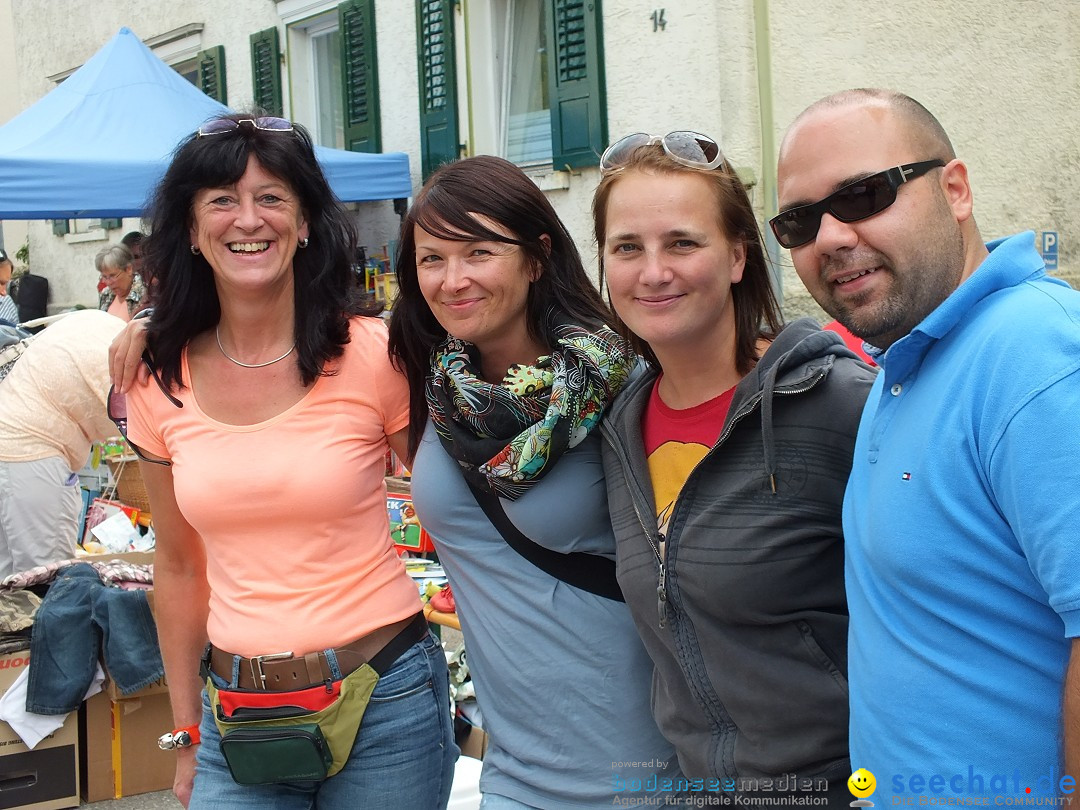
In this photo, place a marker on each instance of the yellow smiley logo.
(861, 783)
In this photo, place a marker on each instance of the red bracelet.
(180, 738)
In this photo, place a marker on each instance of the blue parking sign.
(1048, 246)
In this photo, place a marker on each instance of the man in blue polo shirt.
(963, 507)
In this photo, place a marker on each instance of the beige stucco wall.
(1001, 74)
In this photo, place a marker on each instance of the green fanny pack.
(300, 736)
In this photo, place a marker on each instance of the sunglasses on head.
(851, 203)
(683, 146)
(116, 407)
(267, 123)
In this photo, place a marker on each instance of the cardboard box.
(46, 778)
(118, 741)
(475, 745)
(118, 750)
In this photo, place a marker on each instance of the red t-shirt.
(675, 441)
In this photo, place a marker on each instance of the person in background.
(124, 288)
(53, 406)
(962, 510)
(263, 435)
(511, 365)
(9, 313)
(726, 464)
(133, 242)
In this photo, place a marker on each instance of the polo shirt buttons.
(896, 389)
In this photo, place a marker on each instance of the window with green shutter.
(540, 98)
(212, 72)
(359, 74)
(438, 84)
(112, 224)
(576, 83)
(266, 70)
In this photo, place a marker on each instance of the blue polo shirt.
(961, 519)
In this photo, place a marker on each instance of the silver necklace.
(217, 336)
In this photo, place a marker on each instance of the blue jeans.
(80, 619)
(403, 756)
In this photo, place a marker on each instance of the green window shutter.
(576, 83)
(266, 71)
(360, 76)
(212, 72)
(60, 227)
(438, 84)
(111, 224)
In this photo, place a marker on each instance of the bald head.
(918, 125)
(882, 268)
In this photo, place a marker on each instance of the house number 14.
(658, 21)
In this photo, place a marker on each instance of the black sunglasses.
(116, 407)
(853, 202)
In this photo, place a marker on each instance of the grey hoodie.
(746, 620)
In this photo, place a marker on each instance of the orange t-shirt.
(292, 510)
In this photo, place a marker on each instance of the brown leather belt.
(283, 672)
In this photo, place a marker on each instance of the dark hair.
(132, 239)
(757, 313)
(185, 297)
(447, 207)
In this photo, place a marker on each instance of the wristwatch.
(179, 738)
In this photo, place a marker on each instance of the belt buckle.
(256, 663)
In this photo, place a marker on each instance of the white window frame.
(487, 107)
(303, 19)
(85, 230)
(302, 91)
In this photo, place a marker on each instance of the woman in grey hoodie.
(726, 465)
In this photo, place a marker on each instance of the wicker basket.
(130, 488)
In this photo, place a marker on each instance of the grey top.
(561, 677)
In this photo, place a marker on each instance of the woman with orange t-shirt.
(263, 434)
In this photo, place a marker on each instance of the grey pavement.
(161, 800)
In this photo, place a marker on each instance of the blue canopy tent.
(97, 145)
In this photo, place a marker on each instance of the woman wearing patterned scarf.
(512, 364)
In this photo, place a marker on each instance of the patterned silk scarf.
(507, 436)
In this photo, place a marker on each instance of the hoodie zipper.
(654, 544)
(661, 584)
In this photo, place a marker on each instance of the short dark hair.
(757, 312)
(132, 239)
(446, 207)
(185, 297)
